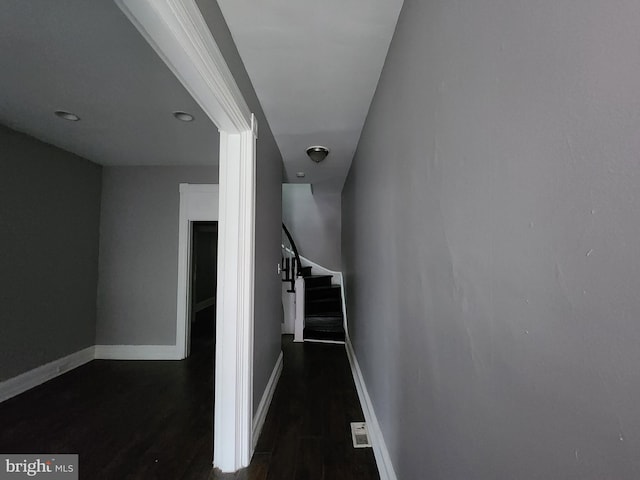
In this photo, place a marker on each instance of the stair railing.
(291, 265)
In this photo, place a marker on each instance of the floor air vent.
(360, 435)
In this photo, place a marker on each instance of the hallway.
(306, 435)
(152, 419)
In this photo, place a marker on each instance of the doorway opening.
(198, 206)
(203, 277)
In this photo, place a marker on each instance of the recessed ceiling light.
(300, 174)
(72, 117)
(183, 116)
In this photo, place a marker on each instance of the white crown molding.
(380, 451)
(179, 34)
(39, 375)
(265, 401)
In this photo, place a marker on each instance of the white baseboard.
(39, 375)
(265, 402)
(23, 382)
(385, 467)
(137, 352)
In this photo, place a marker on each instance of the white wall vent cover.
(360, 435)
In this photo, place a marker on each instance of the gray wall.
(49, 213)
(490, 233)
(268, 303)
(138, 280)
(314, 221)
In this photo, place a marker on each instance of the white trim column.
(234, 329)
(179, 34)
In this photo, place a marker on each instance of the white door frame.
(179, 34)
(198, 203)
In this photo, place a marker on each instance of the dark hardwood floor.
(307, 433)
(125, 419)
(153, 419)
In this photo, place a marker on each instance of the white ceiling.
(86, 57)
(315, 66)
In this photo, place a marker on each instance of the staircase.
(323, 316)
(322, 319)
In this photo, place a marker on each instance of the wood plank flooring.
(307, 432)
(153, 420)
(125, 419)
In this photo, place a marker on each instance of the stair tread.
(323, 287)
(324, 320)
(319, 300)
(324, 302)
(324, 315)
(327, 329)
(332, 336)
(315, 281)
(321, 319)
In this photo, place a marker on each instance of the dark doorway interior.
(204, 254)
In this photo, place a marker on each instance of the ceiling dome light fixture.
(317, 153)
(72, 117)
(183, 116)
(300, 174)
